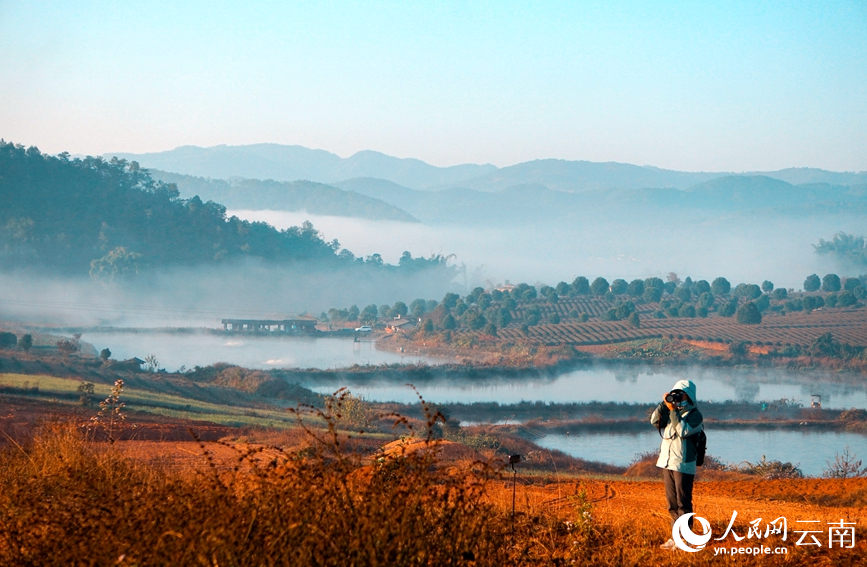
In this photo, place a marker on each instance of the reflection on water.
(630, 385)
(174, 350)
(809, 448)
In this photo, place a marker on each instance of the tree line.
(111, 219)
(487, 311)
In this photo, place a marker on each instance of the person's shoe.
(669, 545)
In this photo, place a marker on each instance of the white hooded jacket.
(677, 452)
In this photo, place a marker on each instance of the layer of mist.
(743, 249)
(201, 296)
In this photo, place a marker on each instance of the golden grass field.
(68, 501)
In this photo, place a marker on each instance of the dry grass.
(321, 499)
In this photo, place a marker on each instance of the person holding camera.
(677, 418)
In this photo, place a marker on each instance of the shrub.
(770, 469)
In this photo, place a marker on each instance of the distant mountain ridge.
(291, 163)
(308, 196)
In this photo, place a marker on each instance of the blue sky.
(729, 86)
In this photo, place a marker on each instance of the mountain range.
(292, 163)
(388, 188)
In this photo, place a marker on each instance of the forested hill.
(308, 196)
(111, 218)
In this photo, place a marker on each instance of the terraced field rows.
(847, 325)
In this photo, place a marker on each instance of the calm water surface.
(631, 385)
(810, 450)
(174, 350)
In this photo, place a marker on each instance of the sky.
(696, 86)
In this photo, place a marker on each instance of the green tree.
(812, 283)
(475, 294)
(449, 323)
(532, 315)
(655, 283)
(450, 300)
(851, 283)
(563, 289)
(780, 294)
(634, 320)
(687, 311)
(700, 287)
(115, 265)
(720, 286)
(752, 291)
(683, 294)
(808, 304)
(398, 310)
(554, 318)
(599, 286)
(619, 286)
(635, 288)
(484, 301)
(490, 329)
(105, 354)
(624, 310)
(652, 294)
(352, 313)
(368, 314)
(706, 300)
(427, 326)
(831, 282)
(728, 309)
(473, 320)
(460, 308)
(583, 318)
(8, 340)
(581, 286)
(418, 307)
(504, 317)
(748, 314)
(763, 302)
(846, 299)
(26, 342)
(767, 286)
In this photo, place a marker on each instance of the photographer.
(677, 418)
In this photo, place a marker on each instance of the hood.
(688, 387)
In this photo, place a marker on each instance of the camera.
(675, 396)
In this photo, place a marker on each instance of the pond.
(176, 349)
(630, 385)
(810, 450)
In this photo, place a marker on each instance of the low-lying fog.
(741, 249)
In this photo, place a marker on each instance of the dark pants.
(678, 492)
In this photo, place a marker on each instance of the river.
(174, 350)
